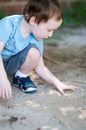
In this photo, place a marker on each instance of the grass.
(2, 13)
(75, 15)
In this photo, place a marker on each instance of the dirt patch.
(47, 109)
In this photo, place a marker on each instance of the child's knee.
(34, 54)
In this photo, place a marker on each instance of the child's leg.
(21, 78)
(22, 62)
(31, 61)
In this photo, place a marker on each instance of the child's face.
(45, 30)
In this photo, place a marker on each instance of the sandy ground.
(47, 109)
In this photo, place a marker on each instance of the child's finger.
(73, 88)
(61, 91)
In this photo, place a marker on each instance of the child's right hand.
(5, 89)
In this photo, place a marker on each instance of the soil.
(47, 109)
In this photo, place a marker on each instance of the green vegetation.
(75, 14)
(2, 13)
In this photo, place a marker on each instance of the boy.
(21, 46)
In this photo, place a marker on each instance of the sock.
(20, 74)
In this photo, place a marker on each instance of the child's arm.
(45, 74)
(5, 87)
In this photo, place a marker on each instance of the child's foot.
(25, 84)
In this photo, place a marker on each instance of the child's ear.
(32, 21)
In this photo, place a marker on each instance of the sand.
(47, 109)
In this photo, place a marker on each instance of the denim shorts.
(14, 62)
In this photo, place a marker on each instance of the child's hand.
(62, 87)
(5, 89)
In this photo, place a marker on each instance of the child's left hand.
(63, 87)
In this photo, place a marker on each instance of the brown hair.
(43, 10)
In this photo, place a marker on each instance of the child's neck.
(25, 29)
